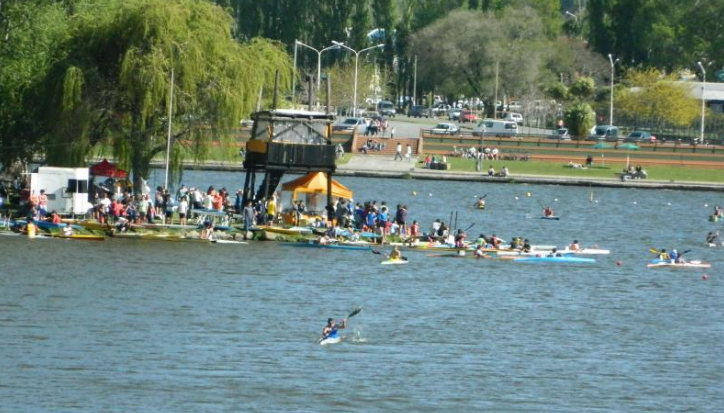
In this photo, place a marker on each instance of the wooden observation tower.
(288, 141)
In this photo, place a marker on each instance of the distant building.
(713, 94)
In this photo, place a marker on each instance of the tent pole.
(329, 197)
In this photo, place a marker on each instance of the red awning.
(105, 168)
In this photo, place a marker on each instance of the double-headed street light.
(319, 62)
(613, 67)
(356, 59)
(703, 100)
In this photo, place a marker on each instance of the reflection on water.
(126, 325)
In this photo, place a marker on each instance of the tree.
(580, 119)
(458, 54)
(582, 88)
(112, 83)
(360, 25)
(650, 96)
(342, 79)
(29, 34)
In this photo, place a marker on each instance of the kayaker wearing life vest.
(711, 238)
(331, 328)
(676, 257)
(480, 204)
(526, 245)
(664, 256)
(548, 211)
(395, 254)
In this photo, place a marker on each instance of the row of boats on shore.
(306, 237)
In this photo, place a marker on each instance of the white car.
(445, 128)
(514, 117)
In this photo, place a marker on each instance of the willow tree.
(112, 86)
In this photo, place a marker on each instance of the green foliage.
(114, 80)
(579, 119)
(457, 54)
(557, 91)
(583, 88)
(653, 97)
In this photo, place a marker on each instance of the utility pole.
(414, 83)
(495, 100)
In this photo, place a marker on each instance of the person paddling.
(574, 246)
(481, 203)
(676, 258)
(330, 330)
(711, 238)
(548, 212)
(395, 254)
(664, 256)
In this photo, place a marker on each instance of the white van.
(493, 127)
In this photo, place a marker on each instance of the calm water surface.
(122, 326)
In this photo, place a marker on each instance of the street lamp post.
(613, 67)
(578, 24)
(703, 101)
(319, 62)
(356, 59)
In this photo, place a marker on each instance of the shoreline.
(423, 174)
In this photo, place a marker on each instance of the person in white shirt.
(398, 152)
(408, 155)
(183, 209)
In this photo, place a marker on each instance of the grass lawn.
(656, 172)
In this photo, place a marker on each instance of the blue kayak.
(564, 259)
(327, 246)
(551, 218)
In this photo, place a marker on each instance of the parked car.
(445, 128)
(468, 116)
(515, 105)
(440, 109)
(514, 117)
(386, 108)
(640, 136)
(419, 111)
(604, 132)
(495, 127)
(454, 113)
(348, 125)
(561, 134)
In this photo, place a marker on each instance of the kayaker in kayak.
(664, 256)
(395, 254)
(711, 238)
(332, 327)
(460, 239)
(548, 212)
(480, 204)
(676, 257)
(554, 253)
(526, 245)
(574, 246)
(67, 230)
(479, 253)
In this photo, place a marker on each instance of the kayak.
(86, 237)
(332, 338)
(551, 218)
(392, 261)
(586, 251)
(326, 246)
(228, 241)
(567, 260)
(690, 264)
(286, 231)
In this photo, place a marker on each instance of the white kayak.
(332, 338)
(690, 264)
(394, 262)
(228, 241)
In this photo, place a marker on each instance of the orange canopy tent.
(316, 183)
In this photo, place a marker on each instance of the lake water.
(123, 326)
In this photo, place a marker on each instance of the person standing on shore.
(408, 155)
(398, 152)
